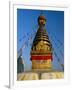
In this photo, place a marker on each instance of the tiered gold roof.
(41, 41)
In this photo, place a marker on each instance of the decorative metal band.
(41, 57)
(41, 53)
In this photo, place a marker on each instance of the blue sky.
(27, 25)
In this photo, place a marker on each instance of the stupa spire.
(41, 51)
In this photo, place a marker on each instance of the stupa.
(41, 50)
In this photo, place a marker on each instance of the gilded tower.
(41, 50)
